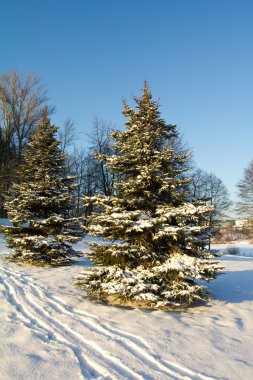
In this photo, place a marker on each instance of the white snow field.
(50, 330)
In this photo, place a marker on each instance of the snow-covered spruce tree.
(38, 205)
(157, 235)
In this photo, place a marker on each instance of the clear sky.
(197, 56)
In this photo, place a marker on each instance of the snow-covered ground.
(50, 330)
(243, 248)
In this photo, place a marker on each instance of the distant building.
(243, 223)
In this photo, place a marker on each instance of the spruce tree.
(38, 205)
(157, 236)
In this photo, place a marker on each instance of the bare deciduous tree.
(209, 188)
(245, 186)
(81, 165)
(67, 134)
(101, 145)
(21, 102)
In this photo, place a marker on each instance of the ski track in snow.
(57, 323)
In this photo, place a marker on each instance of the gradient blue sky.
(197, 56)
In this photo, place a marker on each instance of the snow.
(49, 329)
(245, 249)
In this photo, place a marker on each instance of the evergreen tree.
(157, 235)
(38, 205)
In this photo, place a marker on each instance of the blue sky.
(197, 56)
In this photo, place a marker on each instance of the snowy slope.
(50, 330)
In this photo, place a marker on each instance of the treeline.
(22, 100)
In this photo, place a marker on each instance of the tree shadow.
(234, 286)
